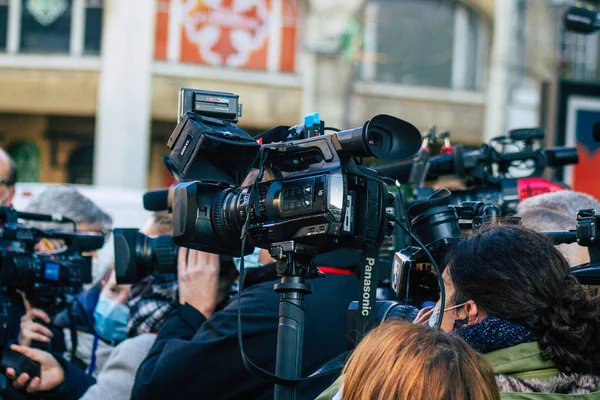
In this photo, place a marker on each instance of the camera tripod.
(295, 264)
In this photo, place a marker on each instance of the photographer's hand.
(51, 374)
(198, 275)
(30, 330)
(423, 316)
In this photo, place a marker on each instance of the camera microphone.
(158, 200)
(582, 20)
(43, 217)
(8, 211)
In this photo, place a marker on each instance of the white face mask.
(436, 311)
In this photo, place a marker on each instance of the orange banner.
(244, 34)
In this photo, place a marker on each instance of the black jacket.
(196, 358)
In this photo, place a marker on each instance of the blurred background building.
(88, 88)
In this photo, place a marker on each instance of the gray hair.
(544, 219)
(565, 202)
(69, 202)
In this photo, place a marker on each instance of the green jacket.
(523, 361)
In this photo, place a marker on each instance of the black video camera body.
(320, 196)
(46, 278)
(437, 224)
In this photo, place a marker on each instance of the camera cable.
(251, 366)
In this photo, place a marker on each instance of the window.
(93, 26)
(424, 42)
(71, 27)
(27, 159)
(3, 24)
(81, 165)
(46, 26)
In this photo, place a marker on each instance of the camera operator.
(557, 211)
(196, 354)
(145, 311)
(77, 321)
(511, 296)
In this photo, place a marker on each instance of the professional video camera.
(326, 199)
(437, 224)
(503, 172)
(46, 278)
(138, 256)
(318, 197)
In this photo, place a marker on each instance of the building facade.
(88, 88)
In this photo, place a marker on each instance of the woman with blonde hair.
(399, 360)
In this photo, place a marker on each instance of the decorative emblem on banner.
(226, 31)
(46, 11)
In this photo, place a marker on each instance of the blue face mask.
(110, 319)
(250, 261)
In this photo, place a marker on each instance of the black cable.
(410, 244)
(250, 366)
(247, 362)
(331, 128)
(437, 270)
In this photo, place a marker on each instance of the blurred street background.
(88, 88)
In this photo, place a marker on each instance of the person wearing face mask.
(511, 296)
(150, 302)
(133, 325)
(72, 330)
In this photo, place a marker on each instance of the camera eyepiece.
(384, 137)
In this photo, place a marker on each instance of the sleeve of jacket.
(198, 358)
(75, 384)
(115, 381)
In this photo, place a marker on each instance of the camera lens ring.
(217, 217)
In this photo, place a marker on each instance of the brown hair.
(399, 360)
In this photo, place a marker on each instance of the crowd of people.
(516, 323)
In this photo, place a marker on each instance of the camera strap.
(367, 301)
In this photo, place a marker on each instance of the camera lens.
(137, 255)
(434, 221)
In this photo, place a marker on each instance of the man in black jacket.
(196, 353)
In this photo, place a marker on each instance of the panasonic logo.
(366, 295)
